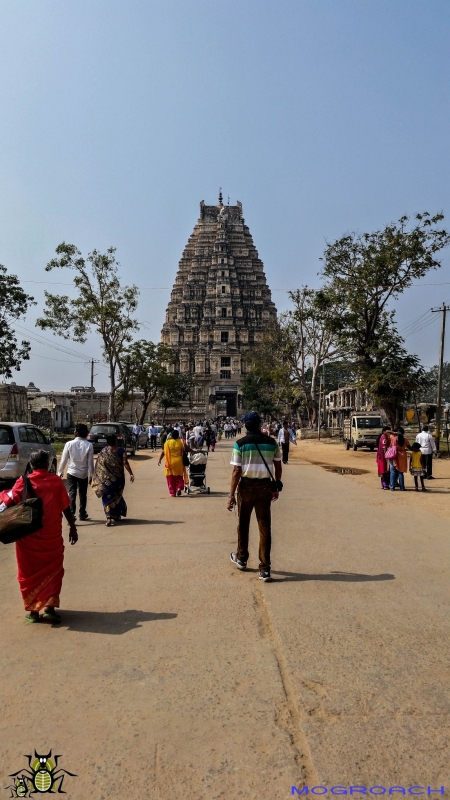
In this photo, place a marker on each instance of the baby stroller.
(197, 473)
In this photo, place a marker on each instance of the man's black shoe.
(237, 562)
(264, 576)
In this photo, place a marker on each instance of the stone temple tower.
(219, 306)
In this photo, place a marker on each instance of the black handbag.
(21, 520)
(185, 457)
(276, 486)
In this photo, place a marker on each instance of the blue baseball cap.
(252, 416)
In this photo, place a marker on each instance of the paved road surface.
(175, 675)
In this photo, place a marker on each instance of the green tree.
(14, 303)
(145, 365)
(174, 390)
(102, 304)
(259, 392)
(364, 274)
(429, 394)
(288, 362)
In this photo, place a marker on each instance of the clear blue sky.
(119, 116)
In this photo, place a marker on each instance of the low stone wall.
(310, 433)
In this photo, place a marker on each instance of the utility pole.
(437, 433)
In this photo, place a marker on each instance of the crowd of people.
(257, 460)
(40, 555)
(392, 458)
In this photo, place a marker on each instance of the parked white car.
(17, 441)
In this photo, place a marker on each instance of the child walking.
(417, 466)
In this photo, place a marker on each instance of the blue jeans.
(394, 475)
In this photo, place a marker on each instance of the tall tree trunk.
(112, 391)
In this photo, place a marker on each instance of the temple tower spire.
(219, 306)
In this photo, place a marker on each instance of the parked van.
(362, 429)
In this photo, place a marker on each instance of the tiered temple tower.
(219, 306)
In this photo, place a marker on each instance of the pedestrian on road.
(285, 436)
(382, 465)
(399, 464)
(78, 455)
(109, 480)
(254, 490)
(40, 556)
(427, 448)
(174, 468)
(137, 430)
(417, 466)
(212, 439)
(153, 433)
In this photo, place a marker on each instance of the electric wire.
(169, 288)
(415, 321)
(425, 325)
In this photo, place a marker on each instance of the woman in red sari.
(40, 556)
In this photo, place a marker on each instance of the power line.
(169, 288)
(421, 328)
(62, 360)
(414, 321)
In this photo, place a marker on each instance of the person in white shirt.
(285, 436)
(427, 448)
(78, 455)
(137, 430)
(153, 433)
(198, 433)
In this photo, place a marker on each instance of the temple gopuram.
(219, 306)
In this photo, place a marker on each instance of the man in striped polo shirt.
(253, 483)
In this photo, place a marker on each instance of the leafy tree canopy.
(145, 371)
(102, 304)
(429, 394)
(174, 390)
(363, 275)
(14, 303)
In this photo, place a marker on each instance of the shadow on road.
(112, 623)
(349, 577)
(131, 522)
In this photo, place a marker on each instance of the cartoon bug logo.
(42, 777)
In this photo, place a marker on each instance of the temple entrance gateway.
(226, 401)
(226, 405)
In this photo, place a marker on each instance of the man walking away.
(285, 436)
(427, 448)
(252, 480)
(136, 434)
(153, 433)
(78, 455)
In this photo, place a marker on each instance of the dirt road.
(175, 675)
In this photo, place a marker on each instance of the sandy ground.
(175, 675)
(332, 453)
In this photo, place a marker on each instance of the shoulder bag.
(391, 451)
(276, 486)
(22, 519)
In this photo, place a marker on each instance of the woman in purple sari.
(383, 467)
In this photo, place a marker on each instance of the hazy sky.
(119, 116)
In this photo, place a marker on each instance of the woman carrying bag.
(40, 555)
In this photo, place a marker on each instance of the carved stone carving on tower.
(219, 306)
